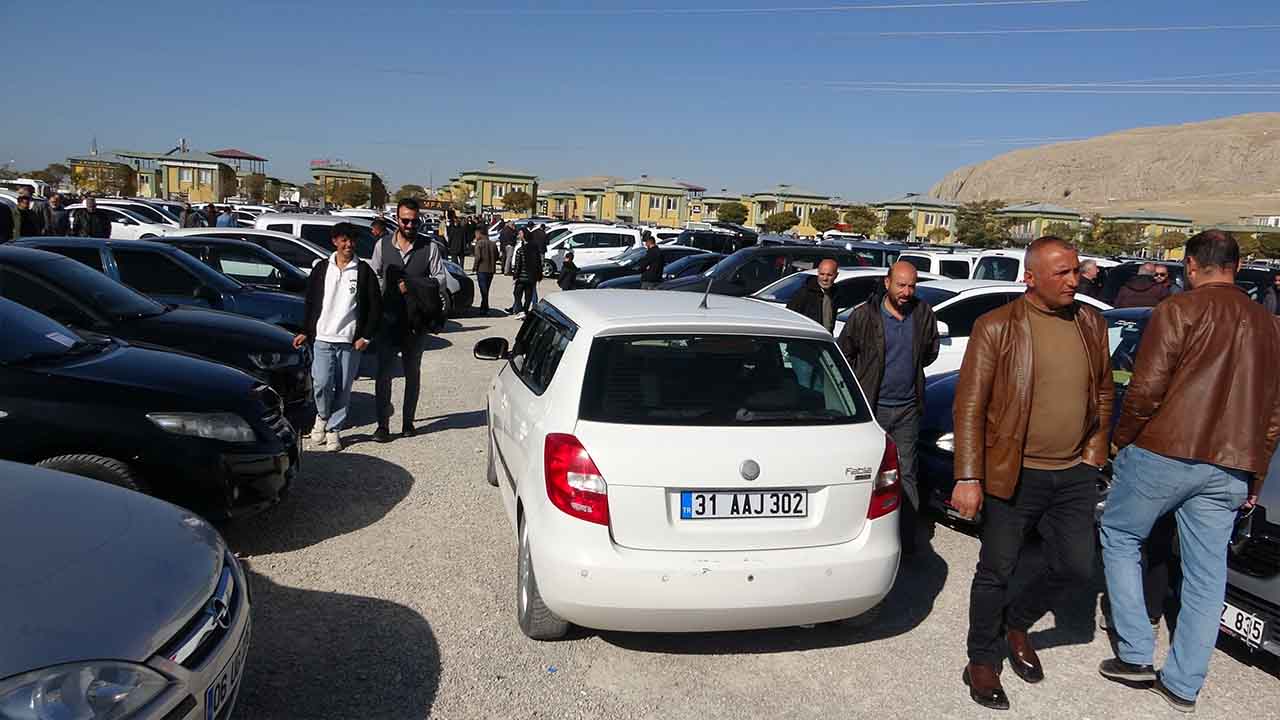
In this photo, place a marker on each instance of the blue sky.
(740, 94)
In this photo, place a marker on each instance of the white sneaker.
(318, 435)
(335, 441)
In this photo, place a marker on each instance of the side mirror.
(943, 330)
(494, 348)
(209, 295)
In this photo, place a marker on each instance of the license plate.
(1246, 626)
(224, 686)
(696, 505)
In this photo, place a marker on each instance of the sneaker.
(335, 441)
(318, 434)
(1175, 702)
(1126, 673)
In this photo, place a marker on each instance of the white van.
(591, 244)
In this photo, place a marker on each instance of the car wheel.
(96, 467)
(549, 269)
(491, 472)
(536, 619)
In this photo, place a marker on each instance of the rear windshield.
(719, 380)
(923, 264)
(994, 267)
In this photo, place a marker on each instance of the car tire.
(97, 467)
(549, 269)
(536, 619)
(491, 471)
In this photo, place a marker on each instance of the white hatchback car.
(656, 461)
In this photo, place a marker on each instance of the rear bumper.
(1268, 611)
(586, 579)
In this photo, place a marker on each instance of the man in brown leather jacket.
(1032, 410)
(1200, 421)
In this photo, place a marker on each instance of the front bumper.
(586, 579)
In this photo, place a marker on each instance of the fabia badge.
(750, 470)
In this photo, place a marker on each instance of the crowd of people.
(1033, 421)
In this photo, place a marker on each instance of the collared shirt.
(898, 386)
(337, 322)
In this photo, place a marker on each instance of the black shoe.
(984, 686)
(1175, 702)
(1127, 673)
(408, 431)
(382, 434)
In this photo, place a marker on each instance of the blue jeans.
(1205, 499)
(333, 370)
(485, 281)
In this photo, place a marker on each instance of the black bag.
(425, 305)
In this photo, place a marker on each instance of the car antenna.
(703, 304)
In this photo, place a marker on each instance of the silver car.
(119, 605)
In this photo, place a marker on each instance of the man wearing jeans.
(1032, 410)
(342, 310)
(1200, 421)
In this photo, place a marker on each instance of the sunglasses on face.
(407, 221)
(1162, 275)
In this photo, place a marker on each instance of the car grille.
(205, 631)
(1255, 550)
(274, 417)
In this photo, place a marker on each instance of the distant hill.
(1213, 171)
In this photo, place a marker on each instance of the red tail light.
(574, 484)
(886, 492)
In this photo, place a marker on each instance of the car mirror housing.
(943, 330)
(494, 348)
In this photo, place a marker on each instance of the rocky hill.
(1213, 171)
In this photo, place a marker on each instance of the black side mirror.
(209, 295)
(494, 348)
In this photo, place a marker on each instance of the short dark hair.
(379, 222)
(1214, 249)
(343, 229)
(411, 203)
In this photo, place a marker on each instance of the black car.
(722, 240)
(76, 296)
(194, 432)
(750, 269)
(246, 262)
(870, 254)
(172, 276)
(686, 266)
(628, 263)
(937, 438)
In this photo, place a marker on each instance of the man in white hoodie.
(343, 308)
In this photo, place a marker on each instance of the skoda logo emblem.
(750, 469)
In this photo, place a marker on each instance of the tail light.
(886, 492)
(574, 484)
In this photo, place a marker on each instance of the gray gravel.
(383, 587)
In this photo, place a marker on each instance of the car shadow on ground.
(331, 655)
(921, 579)
(336, 493)
(455, 421)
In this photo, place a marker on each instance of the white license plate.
(1246, 626)
(224, 686)
(697, 505)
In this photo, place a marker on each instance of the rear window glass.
(994, 267)
(923, 264)
(719, 380)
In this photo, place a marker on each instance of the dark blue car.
(172, 276)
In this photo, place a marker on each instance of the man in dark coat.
(568, 272)
(486, 264)
(816, 298)
(507, 241)
(89, 221)
(57, 220)
(651, 266)
(1089, 280)
(1142, 290)
(31, 223)
(453, 235)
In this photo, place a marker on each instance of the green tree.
(311, 192)
(271, 195)
(416, 192)
(1269, 245)
(351, 194)
(823, 219)
(1119, 238)
(861, 220)
(1249, 244)
(1062, 230)
(517, 201)
(899, 226)
(460, 197)
(978, 225)
(938, 236)
(1170, 241)
(54, 174)
(781, 222)
(255, 186)
(732, 212)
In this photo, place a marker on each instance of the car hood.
(105, 573)
(600, 267)
(190, 382)
(271, 306)
(212, 333)
(626, 281)
(939, 397)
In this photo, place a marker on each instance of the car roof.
(218, 232)
(959, 286)
(314, 219)
(604, 311)
(207, 240)
(99, 242)
(1005, 252)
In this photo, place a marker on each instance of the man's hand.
(404, 289)
(1249, 503)
(966, 498)
(299, 340)
(361, 344)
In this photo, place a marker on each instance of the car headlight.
(99, 690)
(946, 442)
(587, 277)
(275, 360)
(227, 427)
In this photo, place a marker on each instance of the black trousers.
(902, 422)
(1060, 505)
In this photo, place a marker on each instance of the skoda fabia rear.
(716, 472)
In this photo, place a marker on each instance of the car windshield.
(783, 290)
(31, 337)
(931, 295)
(630, 257)
(719, 380)
(105, 294)
(995, 267)
(207, 275)
(1124, 333)
(678, 267)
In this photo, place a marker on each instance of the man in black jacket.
(816, 298)
(409, 267)
(57, 220)
(1089, 279)
(889, 340)
(31, 223)
(651, 266)
(342, 310)
(89, 221)
(568, 272)
(507, 241)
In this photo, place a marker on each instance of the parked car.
(869, 254)
(315, 229)
(686, 266)
(1252, 609)
(194, 432)
(130, 606)
(594, 382)
(127, 225)
(627, 263)
(750, 269)
(956, 265)
(590, 244)
(718, 240)
(853, 286)
(958, 304)
(143, 210)
(1117, 276)
(170, 275)
(82, 299)
(246, 262)
(1256, 280)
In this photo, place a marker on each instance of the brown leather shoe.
(1022, 657)
(984, 686)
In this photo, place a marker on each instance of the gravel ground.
(384, 587)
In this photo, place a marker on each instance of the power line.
(766, 10)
